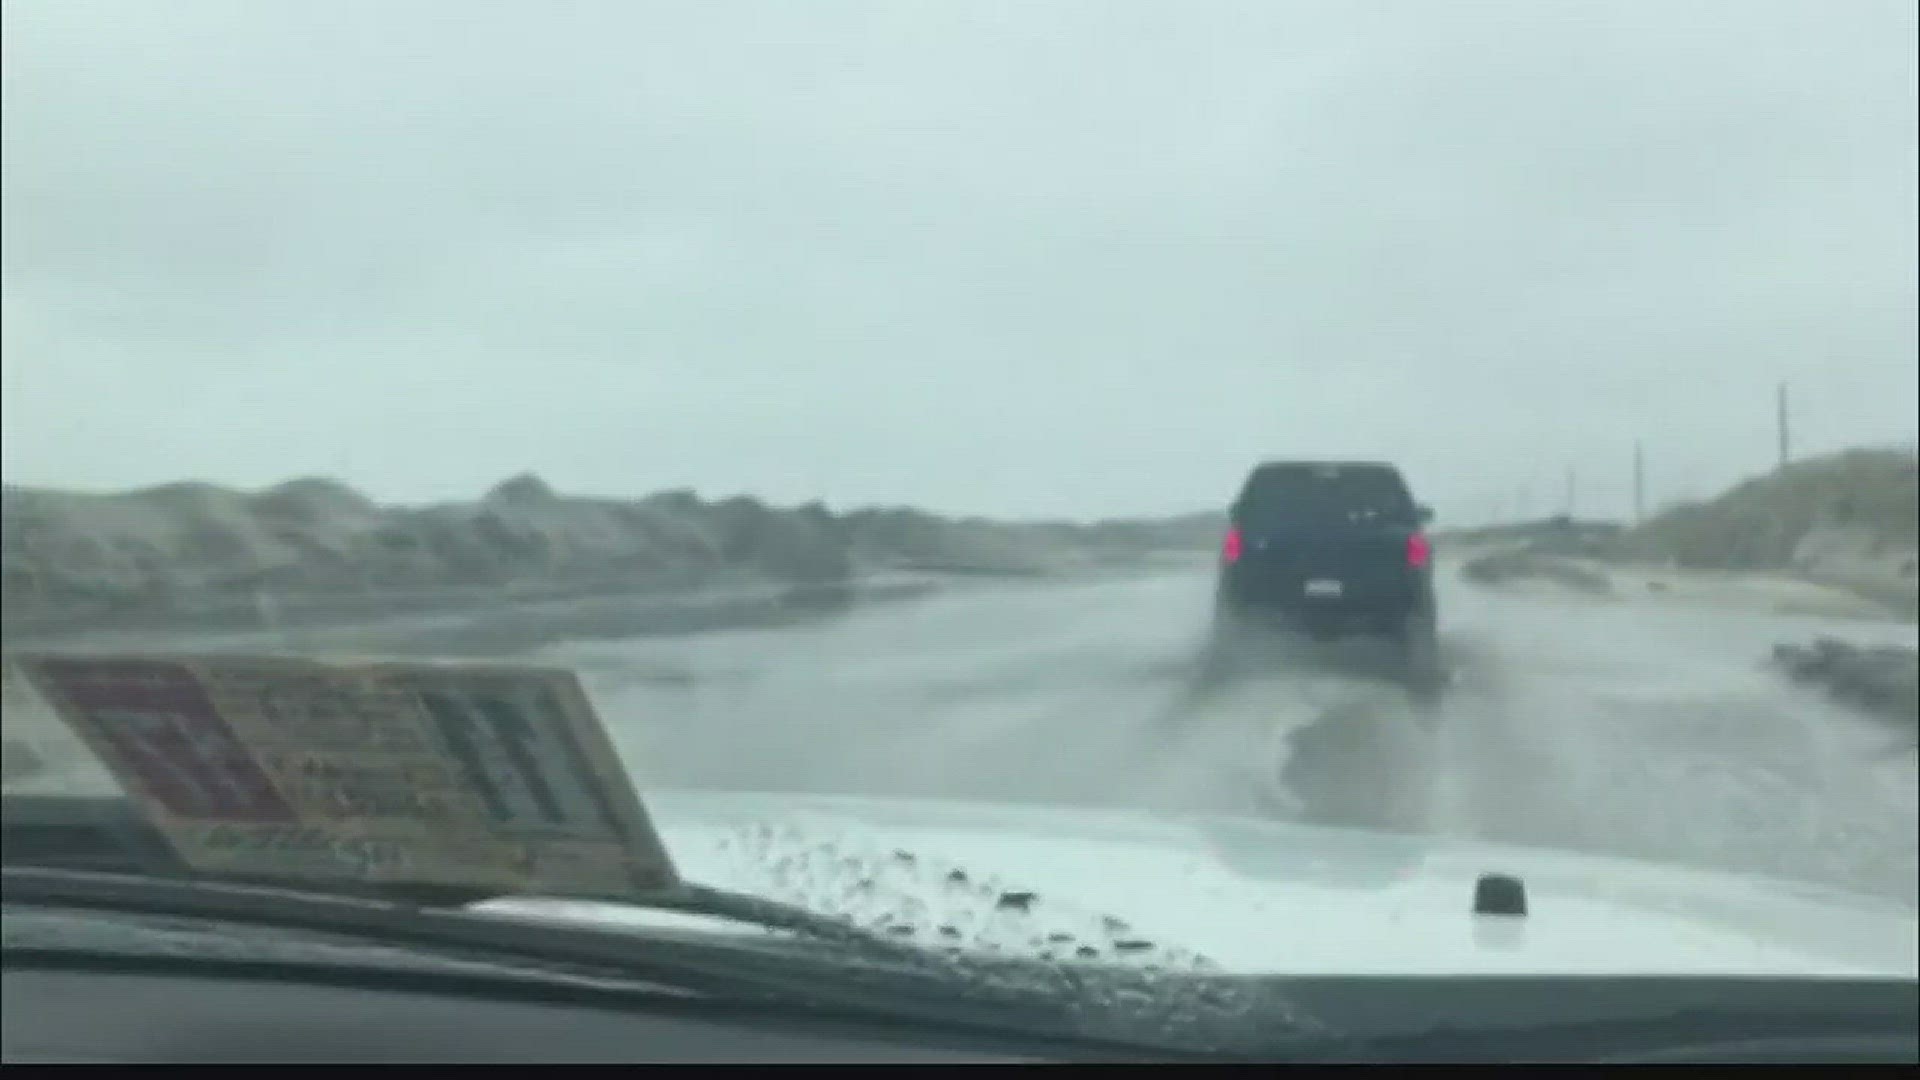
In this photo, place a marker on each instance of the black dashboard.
(96, 1012)
(67, 1015)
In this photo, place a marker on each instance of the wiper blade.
(103, 838)
(911, 984)
(290, 904)
(772, 915)
(94, 852)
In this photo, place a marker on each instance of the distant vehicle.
(1329, 549)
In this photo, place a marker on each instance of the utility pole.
(1639, 483)
(1572, 491)
(1780, 409)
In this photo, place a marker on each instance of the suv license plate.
(1324, 587)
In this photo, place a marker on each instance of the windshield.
(792, 449)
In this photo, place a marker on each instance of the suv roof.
(1321, 489)
(1324, 463)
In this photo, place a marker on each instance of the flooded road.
(1643, 728)
(1639, 729)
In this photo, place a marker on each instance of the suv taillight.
(1230, 547)
(1419, 550)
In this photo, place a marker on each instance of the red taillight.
(1230, 548)
(1419, 550)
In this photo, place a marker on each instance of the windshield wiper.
(94, 852)
(317, 908)
(101, 836)
(889, 979)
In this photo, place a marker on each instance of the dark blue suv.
(1330, 549)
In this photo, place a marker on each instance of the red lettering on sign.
(158, 720)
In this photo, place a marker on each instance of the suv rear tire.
(1418, 643)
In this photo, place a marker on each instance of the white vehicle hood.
(1246, 895)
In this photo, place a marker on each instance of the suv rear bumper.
(1379, 610)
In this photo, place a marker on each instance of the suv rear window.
(1282, 495)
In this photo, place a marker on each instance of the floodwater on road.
(1640, 729)
(1646, 728)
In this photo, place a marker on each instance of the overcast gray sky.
(1061, 258)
